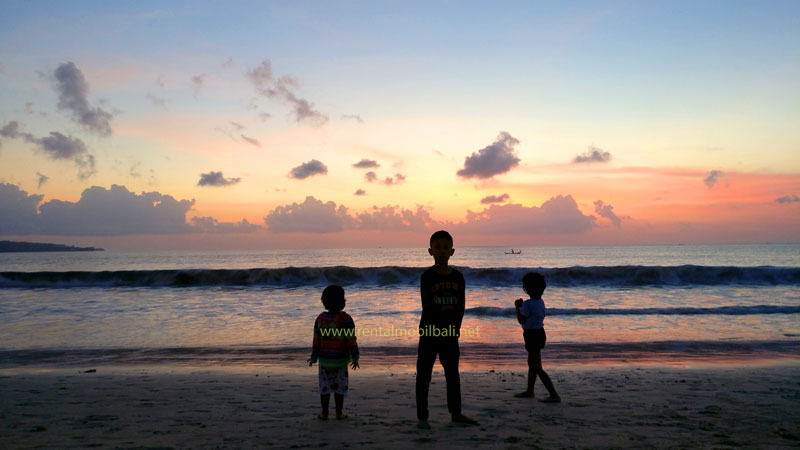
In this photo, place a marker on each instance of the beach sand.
(725, 406)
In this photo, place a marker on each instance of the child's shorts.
(333, 380)
(534, 339)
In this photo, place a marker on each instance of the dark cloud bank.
(560, 214)
(104, 212)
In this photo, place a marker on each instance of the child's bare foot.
(340, 416)
(526, 394)
(551, 399)
(460, 418)
(323, 416)
(423, 424)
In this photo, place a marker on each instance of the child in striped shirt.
(334, 346)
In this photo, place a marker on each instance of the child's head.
(534, 284)
(333, 298)
(441, 246)
(441, 234)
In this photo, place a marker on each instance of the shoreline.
(622, 406)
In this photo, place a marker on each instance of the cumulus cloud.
(310, 216)
(607, 211)
(308, 169)
(317, 217)
(352, 117)
(370, 176)
(104, 212)
(360, 192)
(19, 210)
(394, 218)
(73, 93)
(156, 100)
(495, 159)
(250, 140)
(560, 214)
(593, 155)
(212, 225)
(282, 89)
(42, 179)
(788, 199)
(216, 179)
(56, 146)
(712, 178)
(366, 164)
(489, 199)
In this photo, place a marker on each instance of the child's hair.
(534, 284)
(441, 234)
(333, 298)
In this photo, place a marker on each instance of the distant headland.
(11, 246)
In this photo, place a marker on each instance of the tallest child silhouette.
(442, 290)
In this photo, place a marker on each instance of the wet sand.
(724, 406)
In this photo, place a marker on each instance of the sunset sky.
(305, 124)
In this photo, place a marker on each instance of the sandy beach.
(623, 406)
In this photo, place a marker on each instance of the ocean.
(632, 304)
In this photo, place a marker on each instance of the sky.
(243, 125)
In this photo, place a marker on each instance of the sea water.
(658, 303)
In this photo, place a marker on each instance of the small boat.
(512, 252)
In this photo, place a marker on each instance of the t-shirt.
(443, 299)
(533, 309)
(334, 340)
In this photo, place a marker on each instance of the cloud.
(212, 225)
(104, 212)
(712, 178)
(261, 77)
(56, 146)
(393, 218)
(360, 192)
(197, 83)
(607, 211)
(216, 179)
(558, 215)
(399, 178)
(593, 155)
(251, 140)
(237, 126)
(495, 159)
(352, 117)
(308, 169)
(73, 92)
(788, 199)
(42, 179)
(19, 210)
(156, 100)
(228, 63)
(265, 83)
(366, 164)
(489, 199)
(370, 176)
(312, 216)
(264, 116)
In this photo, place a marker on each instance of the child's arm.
(352, 345)
(518, 306)
(315, 345)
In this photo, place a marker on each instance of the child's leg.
(531, 377)
(325, 399)
(449, 356)
(426, 356)
(537, 361)
(339, 399)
